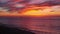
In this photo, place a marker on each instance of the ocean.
(49, 24)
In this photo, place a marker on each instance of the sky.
(11, 4)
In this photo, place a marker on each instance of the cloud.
(44, 1)
(22, 3)
(36, 1)
(4, 1)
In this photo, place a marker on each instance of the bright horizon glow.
(44, 12)
(35, 11)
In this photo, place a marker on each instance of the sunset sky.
(17, 7)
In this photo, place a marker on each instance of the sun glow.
(40, 11)
(34, 11)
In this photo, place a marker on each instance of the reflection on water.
(44, 24)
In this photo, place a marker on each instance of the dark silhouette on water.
(8, 30)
